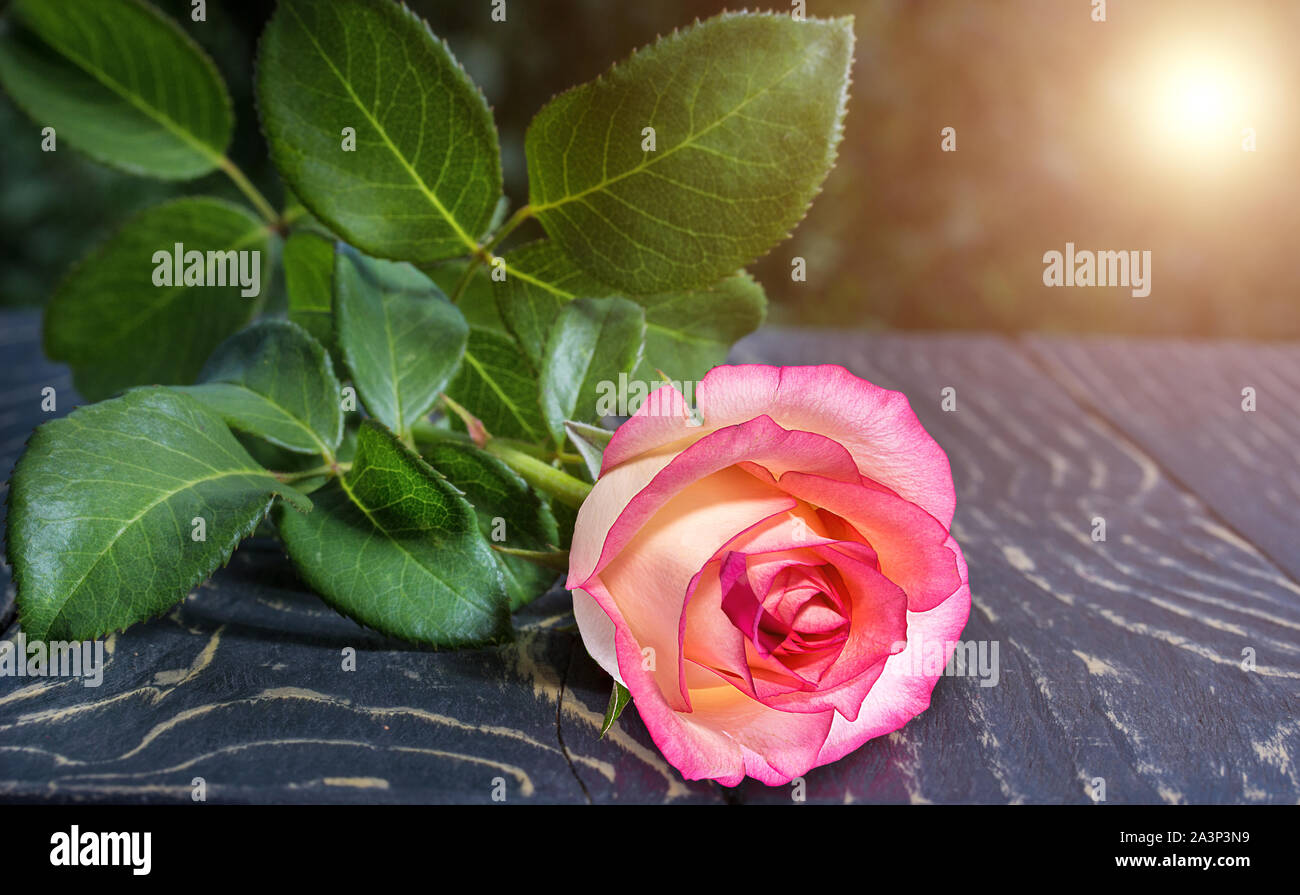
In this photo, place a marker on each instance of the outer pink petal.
(649, 579)
(610, 495)
(900, 693)
(663, 419)
(728, 735)
(697, 744)
(759, 440)
(876, 425)
(597, 631)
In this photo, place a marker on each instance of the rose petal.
(728, 735)
(908, 541)
(876, 425)
(650, 577)
(597, 632)
(876, 625)
(602, 508)
(760, 441)
(899, 693)
(714, 641)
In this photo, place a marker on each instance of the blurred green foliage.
(1050, 150)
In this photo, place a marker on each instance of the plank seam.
(1075, 390)
(559, 717)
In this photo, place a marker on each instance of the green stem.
(563, 487)
(246, 187)
(484, 252)
(328, 469)
(550, 559)
(525, 447)
(508, 227)
(290, 215)
(425, 432)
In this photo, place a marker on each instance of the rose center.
(802, 611)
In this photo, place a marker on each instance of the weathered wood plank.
(1119, 659)
(1183, 403)
(244, 685)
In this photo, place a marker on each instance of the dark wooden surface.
(1119, 660)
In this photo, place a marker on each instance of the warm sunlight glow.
(1200, 105)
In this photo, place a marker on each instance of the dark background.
(1059, 129)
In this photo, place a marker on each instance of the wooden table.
(1122, 659)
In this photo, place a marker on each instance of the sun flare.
(1200, 105)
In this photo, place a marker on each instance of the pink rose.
(766, 583)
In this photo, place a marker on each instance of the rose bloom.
(765, 582)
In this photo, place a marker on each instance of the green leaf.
(425, 177)
(510, 514)
(497, 388)
(119, 81)
(592, 342)
(401, 339)
(540, 281)
(619, 697)
(101, 509)
(116, 329)
(395, 547)
(309, 279)
(687, 333)
(746, 111)
(690, 333)
(590, 442)
(275, 381)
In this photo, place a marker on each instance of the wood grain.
(244, 685)
(1119, 659)
(1182, 402)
